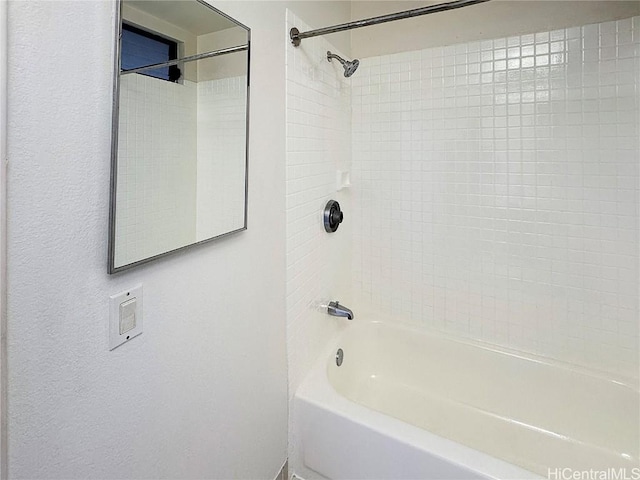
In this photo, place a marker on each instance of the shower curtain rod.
(200, 56)
(296, 35)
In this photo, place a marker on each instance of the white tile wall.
(318, 144)
(222, 106)
(497, 191)
(156, 167)
(181, 175)
(318, 263)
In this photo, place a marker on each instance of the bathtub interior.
(531, 412)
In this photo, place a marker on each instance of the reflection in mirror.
(180, 129)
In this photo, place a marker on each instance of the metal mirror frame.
(115, 120)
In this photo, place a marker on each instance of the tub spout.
(337, 310)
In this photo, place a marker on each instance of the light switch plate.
(125, 304)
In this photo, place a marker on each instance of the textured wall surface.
(318, 144)
(3, 259)
(497, 191)
(202, 392)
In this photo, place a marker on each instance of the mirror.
(180, 129)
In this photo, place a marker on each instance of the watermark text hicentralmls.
(593, 474)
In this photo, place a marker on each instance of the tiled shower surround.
(170, 168)
(318, 264)
(222, 107)
(157, 167)
(318, 144)
(496, 192)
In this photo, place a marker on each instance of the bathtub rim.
(317, 390)
(631, 383)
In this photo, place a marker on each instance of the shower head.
(349, 67)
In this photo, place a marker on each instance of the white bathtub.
(405, 404)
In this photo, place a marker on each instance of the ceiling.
(189, 15)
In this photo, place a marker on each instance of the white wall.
(202, 392)
(318, 263)
(3, 242)
(496, 191)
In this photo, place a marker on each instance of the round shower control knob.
(332, 216)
